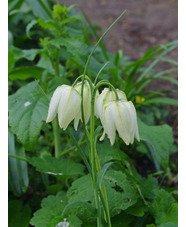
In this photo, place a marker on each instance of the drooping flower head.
(120, 115)
(66, 102)
(86, 101)
(106, 96)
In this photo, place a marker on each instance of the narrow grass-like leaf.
(169, 101)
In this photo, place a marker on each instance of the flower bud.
(65, 102)
(120, 115)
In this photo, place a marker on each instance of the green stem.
(17, 157)
(56, 137)
(93, 161)
(57, 64)
(94, 156)
(89, 57)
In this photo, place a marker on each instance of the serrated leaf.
(74, 46)
(28, 109)
(164, 208)
(57, 167)
(18, 215)
(148, 187)
(120, 192)
(160, 138)
(51, 210)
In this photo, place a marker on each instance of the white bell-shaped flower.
(66, 102)
(120, 115)
(106, 96)
(86, 102)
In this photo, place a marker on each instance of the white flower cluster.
(114, 114)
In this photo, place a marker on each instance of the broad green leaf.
(120, 192)
(17, 169)
(50, 214)
(18, 215)
(164, 208)
(137, 209)
(57, 167)
(148, 187)
(160, 138)
(107, 153)
(28, 109)
(51, 210)
(25, 72)
(29, 54)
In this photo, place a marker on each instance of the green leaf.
(29, 27)
(17, 169)
(149, 187)
(111, 153)
(57, 167)
(164, 208)
(18, 215)
(120, 192)
(169, 101)
(168, 224)
(28, 108)
(41, 9)
(160, 138)
(51, 210)
(29, 54)
(25, 72)
(74, 46)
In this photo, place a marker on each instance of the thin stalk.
(71, 148)
(57, 64)
(89, 57)
(93, 162)
(17, 157)
(100, 72)
(56, 137)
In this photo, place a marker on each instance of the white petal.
(108, 124)
(86, 99)
(121, 94)
(69, 106)
(54, 102)
(122, 121)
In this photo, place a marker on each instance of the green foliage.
(17, 172)
(121, 193)
(50, 212)
(56, 167)
(164, 208)
(27, 110)
(160, 139)
(19, 215)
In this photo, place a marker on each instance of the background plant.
(49, 47)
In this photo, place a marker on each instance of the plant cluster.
(91, 175)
